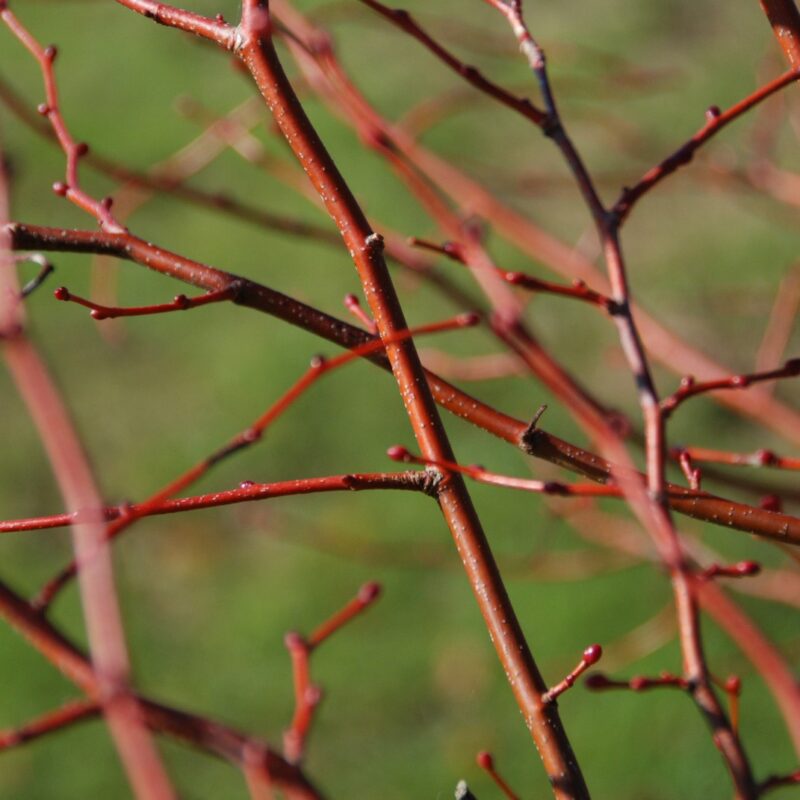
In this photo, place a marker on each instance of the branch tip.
(369, 593)
(742, 569)
(591, 655)
(399, 453)
(771, 502)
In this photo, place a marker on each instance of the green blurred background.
(413, 689)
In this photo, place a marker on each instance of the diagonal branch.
(785, 20)
(366, 248)
(533, 440)
(76, 482)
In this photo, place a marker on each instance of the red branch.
(758, 458)
(785, 21)
(403, 20)
(578, 290)
(690, 388)
(591, 655)
(73, 474)
(716, 120)
(179, 303)
(485, 761)
(69, 714)
(639, 683)
(742, 569)
(777, 781)
(654, 514)
(307, 695)
(247, 491)
(399, 453)
(74, 151)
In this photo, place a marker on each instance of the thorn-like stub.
(529, 440)
(374, 242)
(532, 431)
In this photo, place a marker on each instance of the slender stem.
(246, 492)
(403, 20)
(715, 122)
(69, 714)
(690, 388)
(655, 515)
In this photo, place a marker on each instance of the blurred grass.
(413, 689)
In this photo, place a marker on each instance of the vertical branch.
(98, 594)
(657, 516)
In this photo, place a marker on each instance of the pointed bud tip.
(369, 592)
(733, 685)
(398, 453)
(294, 641)
(469, 319)
(592, 654)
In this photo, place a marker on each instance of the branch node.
(374, 243)
(431, 481)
